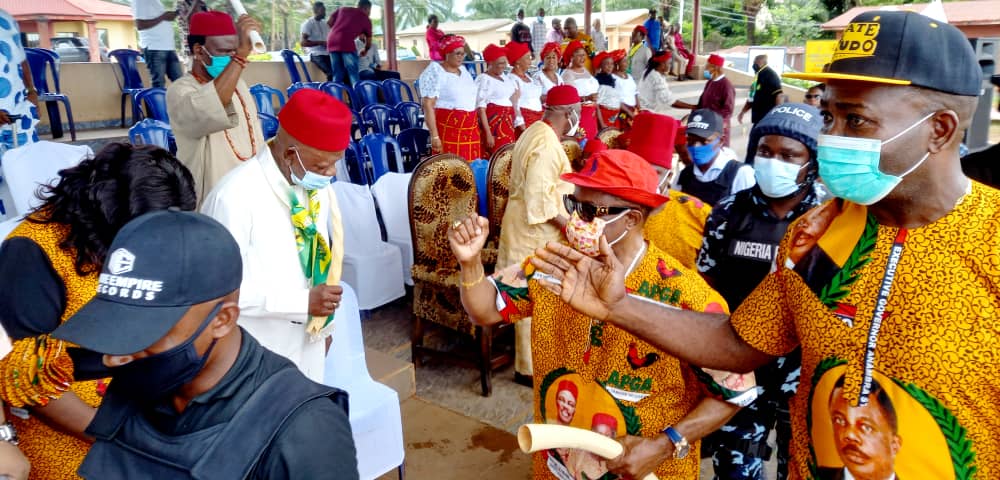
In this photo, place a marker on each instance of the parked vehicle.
(75, 49)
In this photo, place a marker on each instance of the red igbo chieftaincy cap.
(451, 43)
(317, 119)
(716, 60)
(212, 23)
(652, 138)
(569, 387)
(594, 145)
(516, 50)
(562, 95)
(551, 47)
(640, 28)
(620, 173)
(604, 419)
(570, 50)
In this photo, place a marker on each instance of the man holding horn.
(213, 116)
(283, 212)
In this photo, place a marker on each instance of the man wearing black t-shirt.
(765, 92)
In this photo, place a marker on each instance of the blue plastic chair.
(481, 170)
(358, 129)
(152, 132)
(366, 91)
(131, 82)
(269, 124)
(354, 163)
(42, 62)
(343, 93)
(155, 101)
(410, 115)
(376, 149)
(300, 85)
(292, 62)
(379, 119)
(392, 91)
(263, 96)
(415, 144)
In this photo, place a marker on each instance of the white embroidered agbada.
(253, 202)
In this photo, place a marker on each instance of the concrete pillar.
(588, 7)
(44, 33)
(389, 32)
(95, 41)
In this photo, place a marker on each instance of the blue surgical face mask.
(309, 180)
(218, 64)
(541, 19)
(707, 74)
(703, 154)
(849, 166)
(776, 178)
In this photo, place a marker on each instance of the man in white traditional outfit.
(535, 213)
(212, 114)
(283, 212)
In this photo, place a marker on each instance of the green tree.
(751, 8)
(410, 13)
(795, 22)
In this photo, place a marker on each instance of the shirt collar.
(761, 206)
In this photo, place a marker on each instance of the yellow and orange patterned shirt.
(898, 327)
(678, 227)
(595, 376)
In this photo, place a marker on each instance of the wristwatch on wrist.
(681, 446)
(8, 434)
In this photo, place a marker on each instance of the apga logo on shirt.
(858, 40)
(122, 261)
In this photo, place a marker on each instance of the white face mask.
(776, 178)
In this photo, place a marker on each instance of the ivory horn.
(533, 437)
(255, 38)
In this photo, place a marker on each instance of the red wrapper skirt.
(459, 131)
(501, 120)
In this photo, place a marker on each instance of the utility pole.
(696, 30)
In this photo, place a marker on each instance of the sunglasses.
(810, 97)
(588, 211)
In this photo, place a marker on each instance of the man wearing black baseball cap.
(896, 281)
(193, 395)
(716, 173)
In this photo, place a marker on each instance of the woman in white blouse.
(654, 91)
(496, 100)
(548, 76)
(529, 100)
(576, 74)
(609, 100)
(628, 91)
(449, 103)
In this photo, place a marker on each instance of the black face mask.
(154, 377)
(756, 68)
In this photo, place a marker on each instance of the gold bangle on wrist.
(473, 283)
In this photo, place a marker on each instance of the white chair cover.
(391, 192)
(28, 167)
(8, 226)
(376, 423)
(372, 265)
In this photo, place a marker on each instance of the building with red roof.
(103, 23)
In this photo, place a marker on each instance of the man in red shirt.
(346, 24)
(719, 95)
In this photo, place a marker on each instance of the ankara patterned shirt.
(595, 376)
(897, 326)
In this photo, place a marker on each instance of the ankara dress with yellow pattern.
(609, 371)
(678, 227)
(913, 310)
(52, 453)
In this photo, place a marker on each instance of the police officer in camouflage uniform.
(741, 241)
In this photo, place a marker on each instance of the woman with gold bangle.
(49, 268)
